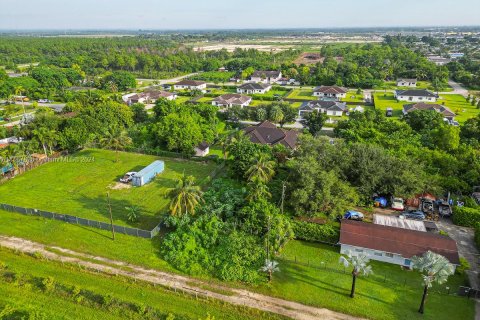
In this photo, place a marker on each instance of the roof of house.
(415, 93)
(203, 146)
(268, 133)
(192, 83)
(266, 74)
(331, 90)
(426, 106)
(407, 243)
(326, 105)
(152, 94)
(254, 86)
(232, 98)
(406, 80)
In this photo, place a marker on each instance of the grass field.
(375, 299)
(455, 102)
(390, 293)
(80, 188)
(392, 85)
(127, 296)
(303, 94)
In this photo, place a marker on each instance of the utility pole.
(284, 186)
(111, 217)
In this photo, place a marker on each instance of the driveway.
(457, 88)
(466, 247)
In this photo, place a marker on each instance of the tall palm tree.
(185, 197)
(116, 140)
(435, 268)
(270, 267)
(257, 190)
(262, 169)
(18, 92)
(360, 265)
(40, 135)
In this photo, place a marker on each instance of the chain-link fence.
(82, 221)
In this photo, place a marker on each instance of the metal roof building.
(148, 173)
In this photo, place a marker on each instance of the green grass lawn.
(392, 85)
(80, 188)
(455, 102)
(352, 96)
(390, 293)
(302, 94)
(54, 305)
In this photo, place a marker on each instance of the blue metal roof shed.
(148, 173)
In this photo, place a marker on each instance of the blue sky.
(231, 14)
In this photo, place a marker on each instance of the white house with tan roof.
(330, 92)
(232, 99)
(190, 85)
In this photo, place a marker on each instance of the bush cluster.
(467, 217)
(316, 232)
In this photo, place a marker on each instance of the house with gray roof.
(268, 133)
(232, 99)
(446, 112)
(415, 95)
(254, 88)
(403, 82)
(331, 108)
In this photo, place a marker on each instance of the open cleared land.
(130, 300)
(80, 188)
(392, 85)
(455, 102)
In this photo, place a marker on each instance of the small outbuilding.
(148, 173)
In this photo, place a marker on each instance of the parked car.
(398, 204)
(44, 101)
(389, 112)
(127, 178)
(427, 205)
(413, 215)
(444, 209)
(353, 215)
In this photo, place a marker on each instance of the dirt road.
(241, 297)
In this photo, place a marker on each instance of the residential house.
(438, 60)
(202, 150)
(254, 88)
(394, 245)
(415, 95)
(331, 108)
(406, 82)
(268, 133)
(288, 82)
(148, 97)
(446, 112)
(330, 92)
(266, 76)
(232, 99)
(190, 85)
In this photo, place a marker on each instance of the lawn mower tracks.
(241, 297)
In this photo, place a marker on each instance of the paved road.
(457, 88)
(239, 297)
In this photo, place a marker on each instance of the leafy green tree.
(185, 197)
(314, 121)
(420, 120)
(242, 152)
(140, 114)
(133, 212)
(180, 132)
(261, 169)
(116, 140)
(270, 267)
(359, 262)
(276, 114)
(122, 80)
(435, 268)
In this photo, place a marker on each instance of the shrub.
(48, 284)
(467, 217)
(316, 232)
(464, 266)
(477, 235)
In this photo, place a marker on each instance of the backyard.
(79, 185)
(455, 102)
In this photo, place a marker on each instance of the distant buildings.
(202, 150)
(268, 133)
(148, 97)
(438, 60)
(254, 88)
(330, 92)
(331, 108)
(415, 95)
(406, 82)
(266, 76)
(190, 85)
(232, 99)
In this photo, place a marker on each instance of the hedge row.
(467, 217)
(477, 235)
(316, 232)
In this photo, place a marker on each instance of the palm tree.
(185, 197)
(132, 213)
(116, 140)
(257, 190)
(262, 169)
(40, 135)
(18, 93)
(435, 268)
(270, 267)
(360, 265)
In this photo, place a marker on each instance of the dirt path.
(241, 297)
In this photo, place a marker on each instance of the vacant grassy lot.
(455, 102)
(392, 85)
(352, 96)
(30, 298)
(303, 94)
(375, 299)
(80, 188)
(390, 293)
